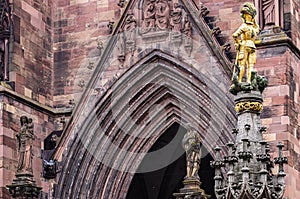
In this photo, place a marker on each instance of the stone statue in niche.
(268, 10)
(149, 17)
(5, 18)
(176, 20)
(5, 28)
(191, 145)
(187, 30)
(121, 48)
(130, 31)
(162, 14)
(25, 139)
(2, 66)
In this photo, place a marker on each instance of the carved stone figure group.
(159, 16)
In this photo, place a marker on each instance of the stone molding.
(32, 103)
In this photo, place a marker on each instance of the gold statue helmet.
(248, 8)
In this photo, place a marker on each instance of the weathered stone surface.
(54, 41)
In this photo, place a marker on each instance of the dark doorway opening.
(163, 182)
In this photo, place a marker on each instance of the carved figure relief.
(4, 16)
(268, 9)
(162, 14)
(130, 31)
(176, 21)
(25, 139)
(187, 30)
(191, 145)
(156, 16)
(121, 48)
(149, 17)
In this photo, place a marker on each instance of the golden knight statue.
(244, 38)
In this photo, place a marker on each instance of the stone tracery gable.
(169, 25)
(152, 25)
(166, 25)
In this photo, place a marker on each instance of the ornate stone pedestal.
(248, 106)
(191, 190)
(23, 186)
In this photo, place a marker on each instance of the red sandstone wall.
(32, 67)
(295, 22)
(226, 13)
(79, 26)
(58, 72)
(32, 72)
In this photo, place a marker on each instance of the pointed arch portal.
(123, 124)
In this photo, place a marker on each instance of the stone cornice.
(272, 42)
(34, 104)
